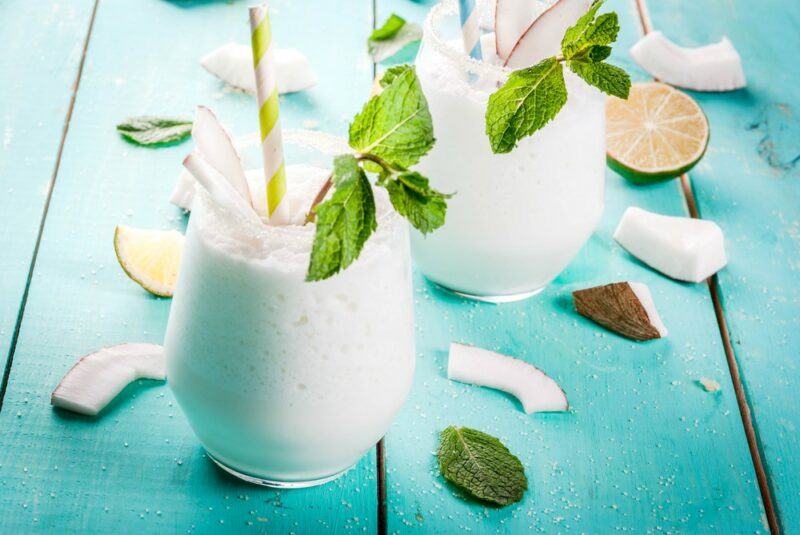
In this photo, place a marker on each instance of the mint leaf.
(392, 73)
(389, 28)
(607, 78)
(147, 130)
(396, 124)
(598, 53)
(587, 31)
(414, 199)
(392, 37)
(344, 222)
(528, 100)
(481, 465)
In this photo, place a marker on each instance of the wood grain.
(644, 448)
(748, 184)
(138, 467)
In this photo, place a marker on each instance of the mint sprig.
(392, 132)
(481, 465)
(533, 96)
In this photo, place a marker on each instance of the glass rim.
(464, 61)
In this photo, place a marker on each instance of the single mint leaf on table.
(481, 465)
(395, 125)
(414, 199)
(392, 37)
(604, 76)
(149, 130)
(389, 29)
(344, 222)
(528, 100)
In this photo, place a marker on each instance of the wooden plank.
(42, 47)
(643, 449)
(139, 467)
(748, 183)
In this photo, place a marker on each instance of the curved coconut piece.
(715, 67)
(542, 38)
(216, 147)
(97, 378)
(233, 64)
(511, 19)
(218, 188)
(536, 391)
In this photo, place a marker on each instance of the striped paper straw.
(268, 120)
(470, 28)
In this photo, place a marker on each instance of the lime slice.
(150, 257)
(658, 133)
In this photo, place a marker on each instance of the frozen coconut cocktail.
(290, 343)
(520, 121)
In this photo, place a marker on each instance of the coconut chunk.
(97, 378)
(680, 247)
(218, 188)
(536, 391)
(511, 19)
(714, 67)
(233, 64)
(626, 308)
(543, 36)
(183, 194)
(215, 145)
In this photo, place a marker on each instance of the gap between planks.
(753, 442)
(50, 186)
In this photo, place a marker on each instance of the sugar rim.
(459, 57)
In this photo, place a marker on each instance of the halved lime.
(656, 134)
(150, 257)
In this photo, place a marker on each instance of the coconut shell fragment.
(626, 308)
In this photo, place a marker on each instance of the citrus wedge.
(150, 257)
(657, 134)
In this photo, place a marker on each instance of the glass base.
(273, 483)
(496, 299)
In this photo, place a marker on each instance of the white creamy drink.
(517, 219)
(287, 382)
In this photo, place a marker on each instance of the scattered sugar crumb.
(710, 385)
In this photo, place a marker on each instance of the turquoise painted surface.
(644, 447)
(138, 467)
(749, 183)
(42, 46)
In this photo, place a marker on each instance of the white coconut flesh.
(217, 187)
(714, 67)
(542, 38)
(683, 248)
(233, 64)
(99, 377)
(532, 387)
(216, 147)
(642, 293)
(511, 19)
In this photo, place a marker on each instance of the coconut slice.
(220, 189)
(543, 36)
(183, 194)
(714, 67)
(215, 145)
(511, 19)
(680, 247)
(626, 308)
(233, 64)
(536, 391)
(97, 378)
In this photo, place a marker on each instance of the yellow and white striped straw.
(268, 116)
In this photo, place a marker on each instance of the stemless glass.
(288, 383)
(517, 219)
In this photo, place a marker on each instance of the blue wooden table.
(644, 448)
